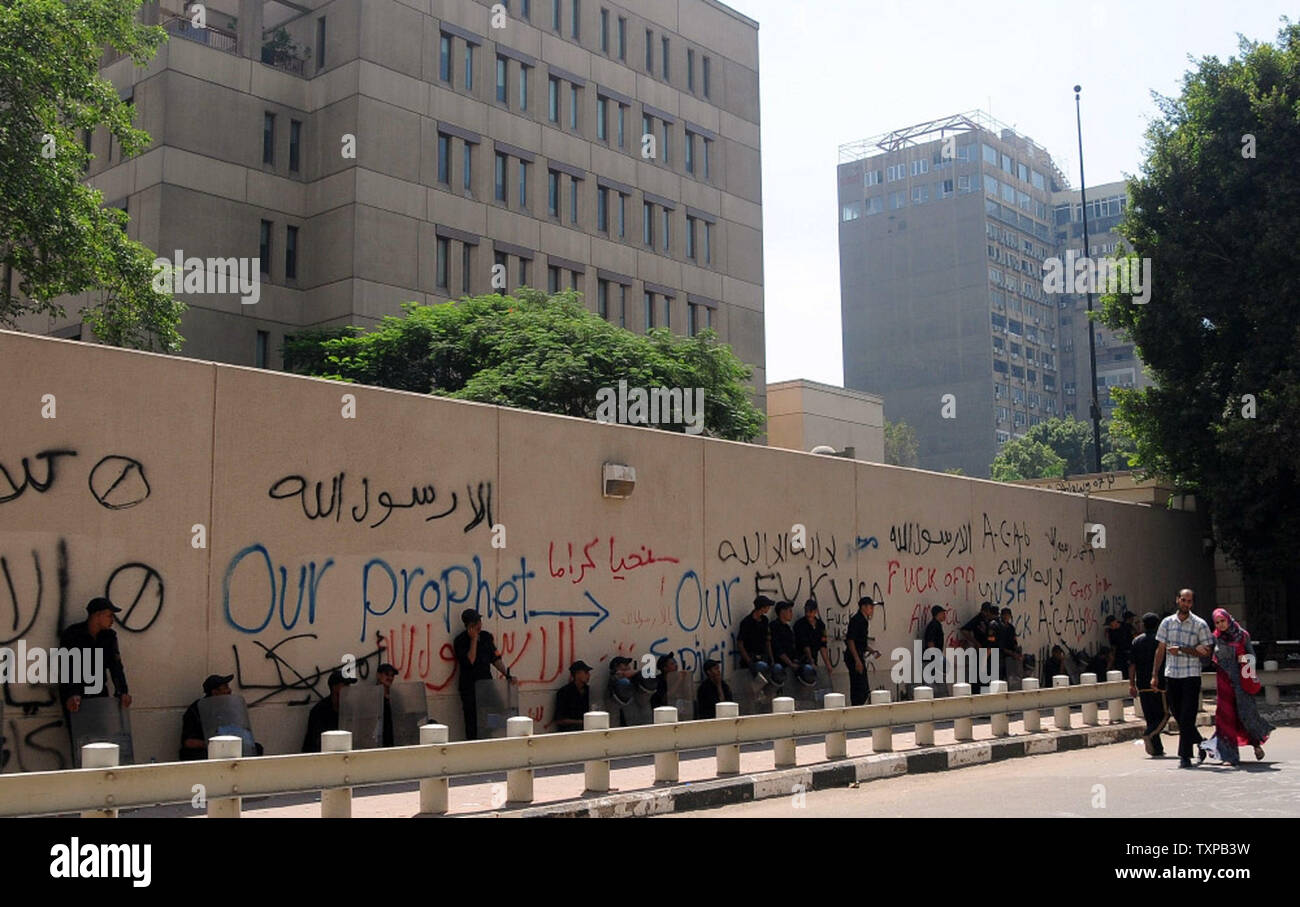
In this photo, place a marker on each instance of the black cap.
(579, 665)
(1150, 620)
(618, 661)
(337, 677)
(470, 616)
(1112, 618)
(386, 668)
(762, 601)
(712, 663)
(866, 600)
(937, 610)
(101, 604)
(1127, 615)
(990, 607)
(663, 660)
(810, 605)
(214, 681)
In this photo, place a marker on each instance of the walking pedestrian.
(1236, 717)
(1147, 686)
(1185, 639)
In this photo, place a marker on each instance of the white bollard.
(1089, 708)
(924, 729)
(336, 802)
(1033, 717)
(596, 772)
(1272, 693)
(666, 764)
(1000, 721)
(962, 728)
(783, 750)
(1061, 715)
(433, 791)
(1114, 707)
(519, 781)
(882, 738)
(100, 755)
(837, 746)
(728, 753)
(224, 748)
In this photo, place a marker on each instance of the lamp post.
(1092, 335)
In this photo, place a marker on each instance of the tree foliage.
(1070, 442)
(901, 446)
(533, 352)
(56, 238)
(1026, 458)
(1217, 210)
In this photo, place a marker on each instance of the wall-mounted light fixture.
(618, 480)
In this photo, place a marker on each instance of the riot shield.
(752, 695)
(361, 711)
(410, 708)
(497, 701)
(227, 716)
(101, 719)
(681, 694)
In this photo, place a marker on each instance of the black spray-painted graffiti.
(301, 680)
(913, 538)
(316, 505)
(116, 482)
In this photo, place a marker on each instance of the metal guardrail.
(105, 789)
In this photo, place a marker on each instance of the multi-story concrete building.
(1117, 361)
(944, 230)
(373, 152)
(944, 227)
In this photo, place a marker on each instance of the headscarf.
(1234, 633)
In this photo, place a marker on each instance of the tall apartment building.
(1118, 364)
(944, 229)
(373, 152)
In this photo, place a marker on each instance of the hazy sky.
(838, 71)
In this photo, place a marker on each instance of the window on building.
(500, 177)
(708, 243)
(704, 75)
(690, 152)
(523, 86)
(501, 80)
(874, 205)
(573, 200)
(690, 237)
(553, 193)
(990, 155)
(920, 195)
(601, 129)
(622, 110)
(295, 145)
(291, 253)
(320, 43)
(920, 166)
(263, 345)
(553, 99)
(555, 14)
(647, 223)
(602, 210)
(707, 145)
(1022, 172)
(268, 138)
(523, 184)
(500, 264)
(649, 51)
(552, 279)
(873, 178)
(469, 66)
(526, 10)
(264, 247)
(945, 189)
(690, 70)
(622, 215)
(622, 38)
(667, 222)
(573, 107)
(444, 249)
(604, 31)
(444, 57)
(664, 61)
(649, 302)
(523, 271)
(896, 200)
(465, 269)
(468, 165)
(575, 20)
(602, 296)
(444, 159)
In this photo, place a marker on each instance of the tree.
(1026, 458)
(900, 444)
(1217, 211)
(533, 352)
(1071, 440)
(56, 237)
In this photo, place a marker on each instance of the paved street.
(1065, 784)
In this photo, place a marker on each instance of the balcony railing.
(212, 36)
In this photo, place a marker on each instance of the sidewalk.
(560, 790)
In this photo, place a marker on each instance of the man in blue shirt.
(1185, 639)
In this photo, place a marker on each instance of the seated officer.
(324, 715)
(193, 744)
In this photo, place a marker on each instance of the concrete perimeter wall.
(288, 584)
